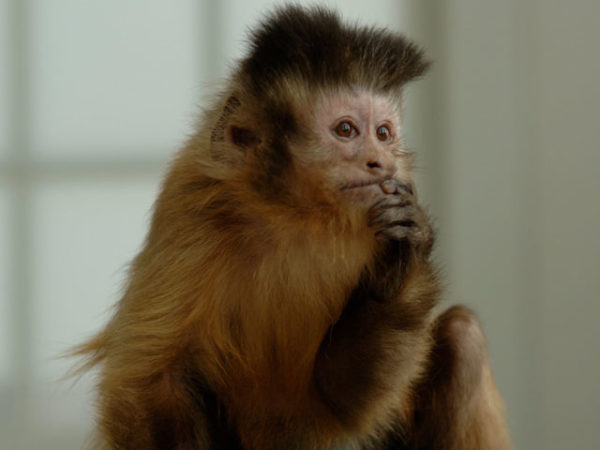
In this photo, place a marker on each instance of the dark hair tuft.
(313, 44)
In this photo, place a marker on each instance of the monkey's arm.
(382, 337)
(457, 405)
(172, 409)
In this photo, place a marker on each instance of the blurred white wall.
(96, 96)
(508, 127)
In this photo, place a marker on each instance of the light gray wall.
(508, 127)
(565, 136)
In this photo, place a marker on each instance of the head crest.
(315, 46)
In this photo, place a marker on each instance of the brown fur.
(263, 311)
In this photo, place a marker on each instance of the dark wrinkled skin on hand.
(406, 236)
(399, 217)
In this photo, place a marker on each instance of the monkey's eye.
(345, 129)
(384, 133)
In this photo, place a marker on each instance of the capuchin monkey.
(283, 298)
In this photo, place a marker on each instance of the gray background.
(96, 96)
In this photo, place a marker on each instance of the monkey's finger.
(394, 202)
(394, 215)
(404, 230)
(389, 186)
(388, 203)
(394, 187)
(397, 232)
(405, 189)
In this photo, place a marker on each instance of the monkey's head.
(312, 115)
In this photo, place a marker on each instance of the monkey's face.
(360, 146)
(329, 149)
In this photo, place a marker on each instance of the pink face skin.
(360, 133)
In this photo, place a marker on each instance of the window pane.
(5, 42)
(384, 13)
(7, 391)
(114, 77)
(5, 332)
(85, 234)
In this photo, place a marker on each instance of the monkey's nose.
(374, 165)
(379, 167)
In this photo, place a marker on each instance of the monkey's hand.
(399, 217)
(406, 238)
(382, 334)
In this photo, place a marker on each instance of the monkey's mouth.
(362, 193)
(347, 187)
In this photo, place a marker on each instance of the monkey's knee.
(460, 329)
(460, 351)
(458, 406)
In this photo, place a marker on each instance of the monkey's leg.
(459, 407)
(172, 410)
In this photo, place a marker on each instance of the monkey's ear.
(229, 128)
(243, 138)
